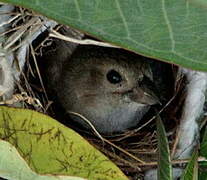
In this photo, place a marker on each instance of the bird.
(104, 85)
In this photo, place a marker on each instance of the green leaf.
(13, 166)
(173, 31)
(164, 162)
(51, 148)
(191, 171)
(203, 149)
(203, 153)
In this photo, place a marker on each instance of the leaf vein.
(123, 18)
(140, 7)
(168, 25)
(78, 8)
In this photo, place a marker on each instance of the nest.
(133, 151)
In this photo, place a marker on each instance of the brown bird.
(104, 85)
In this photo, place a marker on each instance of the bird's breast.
(117, 119)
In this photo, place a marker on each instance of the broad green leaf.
(171, 30)
(51, 148)
(203, 149)
(13, 166)
(164, 162)
(203, 153)
(191, 171)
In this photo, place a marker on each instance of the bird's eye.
(114, 77)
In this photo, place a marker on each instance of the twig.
(38, 71)
(22, 97)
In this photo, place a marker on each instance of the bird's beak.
(143, 95)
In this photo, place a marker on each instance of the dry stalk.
(55, 34)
